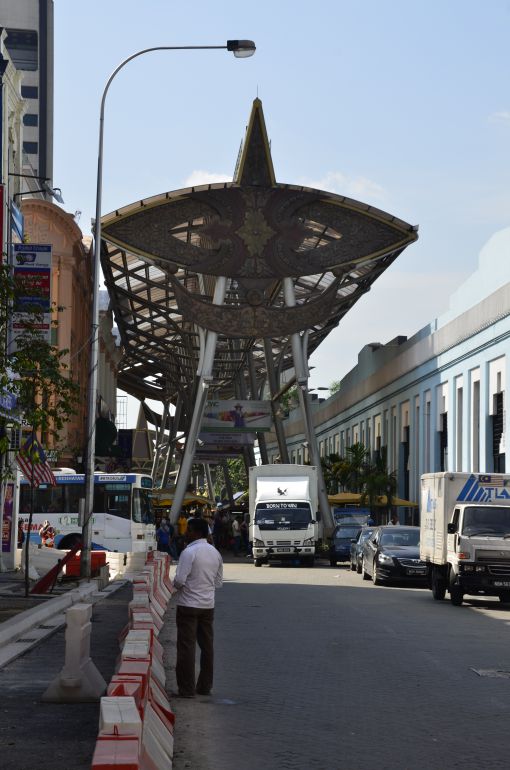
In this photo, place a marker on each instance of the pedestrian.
(217, 530)
(182, 525)
(236, 535)
(394, 520)
(21, 534)
(163, 536)
(245, 535)
(199, 573)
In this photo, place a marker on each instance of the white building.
(436, 401)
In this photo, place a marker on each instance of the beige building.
(71, 290)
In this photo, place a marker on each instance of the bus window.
(143, 512)
(112, 498)
(74, 492)
(46, 499)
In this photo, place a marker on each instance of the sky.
(400, 104)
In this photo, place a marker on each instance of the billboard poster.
(7, 516)
(220, 440)
(32, 274)
(237, 416)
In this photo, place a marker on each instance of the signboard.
(7, 517)
(32, 273)
(219, 440)
(237, 416)
(17, 221)
(8, 402)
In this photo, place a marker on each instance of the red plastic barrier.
(118, 752)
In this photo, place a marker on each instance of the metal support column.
(261, 439)
(160, 434)
(228, 483)
(208, 476)
(204, 374)
(273, 388)
(300, 357)
(172, 437)
(244, 395)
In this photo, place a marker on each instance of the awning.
(355, 498)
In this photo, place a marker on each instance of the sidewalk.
(50, 736)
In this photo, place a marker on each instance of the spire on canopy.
(255, 166)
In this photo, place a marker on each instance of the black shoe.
(203, 692)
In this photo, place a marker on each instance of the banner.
(237, 416)
(32, 274)
(7, 517)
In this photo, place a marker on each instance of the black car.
(357, 548)
(393, 553)
(340, 548)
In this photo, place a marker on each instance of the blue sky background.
(401, 104)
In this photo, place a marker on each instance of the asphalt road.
(316, 668)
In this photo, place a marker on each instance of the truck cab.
(478, 550)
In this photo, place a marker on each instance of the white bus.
(122, 519)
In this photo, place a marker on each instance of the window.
(29, 92)
(112, 498)
(22, 47)
(31, 148)
(142, 507)
(30, 119)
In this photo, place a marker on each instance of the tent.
(355, 498)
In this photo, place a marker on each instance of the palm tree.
(379, 482)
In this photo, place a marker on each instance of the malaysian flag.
(32, 461)
(492, 481)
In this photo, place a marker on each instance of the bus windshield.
(281, 516)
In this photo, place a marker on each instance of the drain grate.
(45, 627)
(25, 641)
(492, 673)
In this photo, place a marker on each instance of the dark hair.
(199, 526)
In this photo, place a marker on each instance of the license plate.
(416, 572)
(502, 583)
(283, 550)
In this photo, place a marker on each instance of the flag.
(32, 461)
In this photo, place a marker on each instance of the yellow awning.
(355, 498)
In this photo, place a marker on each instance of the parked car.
(340, 548)
(357, 548)
(392, 553)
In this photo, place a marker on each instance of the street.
(316, 668)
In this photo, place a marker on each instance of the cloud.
(358, 187)
(201, 176)
(500, 117)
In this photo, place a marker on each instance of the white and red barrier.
(136, 721)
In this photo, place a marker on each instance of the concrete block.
(119, 716)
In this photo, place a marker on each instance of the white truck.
(465, 534)
(284, 513)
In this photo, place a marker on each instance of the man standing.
(199, 573)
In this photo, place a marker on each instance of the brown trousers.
(194, 626)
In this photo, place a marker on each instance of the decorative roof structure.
(161, 257)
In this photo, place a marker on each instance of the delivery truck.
(465, 534)
(284, 513)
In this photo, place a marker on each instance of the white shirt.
(198, 574)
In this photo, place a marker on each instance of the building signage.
(32, 274)
(8, 402)
(237, 416)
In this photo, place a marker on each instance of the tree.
(330, 465)
(335, 386)
(237, 474)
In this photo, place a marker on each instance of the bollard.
(79, 681)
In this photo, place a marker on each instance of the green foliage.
(335, 386)
(237, 474)
(290, 399)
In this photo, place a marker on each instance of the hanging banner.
(237, 416)
(32, 274)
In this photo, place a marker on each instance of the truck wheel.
(332, 563)
(309, 561)
(456, 595)
(353, 567)
(258, 562)
(504, 597)
(358, 568)
(365, 574)
(438, 588)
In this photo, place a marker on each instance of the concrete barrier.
(79, 681)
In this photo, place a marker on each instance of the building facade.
(28, 27)
(437, 401)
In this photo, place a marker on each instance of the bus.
(122, 519)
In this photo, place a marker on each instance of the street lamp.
(240, 49)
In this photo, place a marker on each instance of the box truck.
(465, 534)
(284, 515)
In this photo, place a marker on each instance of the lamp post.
(240, 49)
